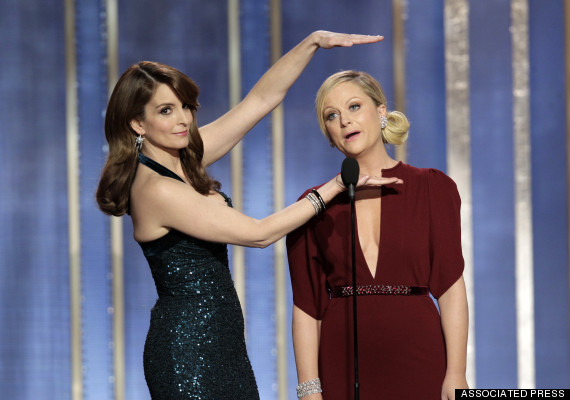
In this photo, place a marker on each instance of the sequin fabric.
(195, 346)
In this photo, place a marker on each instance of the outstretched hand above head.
(328, 40)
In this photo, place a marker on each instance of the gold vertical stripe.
(456, 21)
(523, 195)
(277, 134)
(112, 12)
(236, 157)
(74, 226)
(116, 223)
(118, 307)
(399, 17)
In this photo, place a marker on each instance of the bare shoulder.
(152, 189)
(152, 198)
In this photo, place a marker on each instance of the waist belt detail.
(397, 290)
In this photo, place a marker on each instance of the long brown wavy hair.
(131, 94)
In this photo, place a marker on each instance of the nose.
(185, 117)
(344, 120)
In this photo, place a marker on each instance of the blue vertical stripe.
(95, 257)
(425, 84)
(549, 194)
(35, 349)
(493, 197)
(258, 202)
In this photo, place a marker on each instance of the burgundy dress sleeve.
(308, 279)
(445, 233)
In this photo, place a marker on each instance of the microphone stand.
(354, 291)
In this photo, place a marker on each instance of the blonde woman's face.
(352, 119)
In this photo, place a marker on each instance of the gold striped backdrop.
(116, 223)
(523, 195)
(399, 34)
(280, 267)
(456, 17)
(74, 228)
(234, 68)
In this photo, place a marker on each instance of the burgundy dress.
(400, 340)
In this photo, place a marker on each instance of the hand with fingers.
(365, 180)
(328, 40)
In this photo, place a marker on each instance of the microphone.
(349, 173)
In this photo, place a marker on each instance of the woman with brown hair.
(408, 245)
(156, 172)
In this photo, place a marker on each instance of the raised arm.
(223, 134)
(454, 321)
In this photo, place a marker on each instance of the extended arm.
(223, 134)
(168, 204)
(455, 322)
(306, 337)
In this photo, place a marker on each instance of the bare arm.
(306, 338)
(455, 323)
(164, 204)
(223, 134)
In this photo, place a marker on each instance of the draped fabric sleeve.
(445, 233)
(308, 279)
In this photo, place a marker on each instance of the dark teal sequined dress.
(195, 347)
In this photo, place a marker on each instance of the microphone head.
(349, 172)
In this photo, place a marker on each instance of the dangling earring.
(383, 122)
(139, 142)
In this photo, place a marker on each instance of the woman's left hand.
(450, 383)
(328, 40)
(365, 180)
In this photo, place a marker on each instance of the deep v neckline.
(360, 251)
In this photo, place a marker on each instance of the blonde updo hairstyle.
(396, 132)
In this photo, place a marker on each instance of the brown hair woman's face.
(166, 121)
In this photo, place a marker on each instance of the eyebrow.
(349, 101)
(163, 105)
(328, 110)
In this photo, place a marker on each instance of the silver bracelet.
(315, 202)
(309, 387)
(319, 198)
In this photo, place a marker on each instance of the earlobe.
(136, 126)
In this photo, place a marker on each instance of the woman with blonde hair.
(408, 245)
